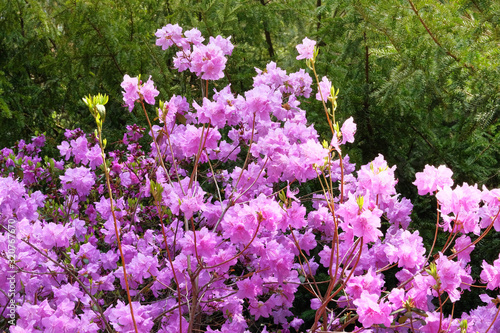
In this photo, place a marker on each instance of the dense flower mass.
(232, 213)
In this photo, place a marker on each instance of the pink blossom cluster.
(218, 227)
(206, 61)
(135, 90)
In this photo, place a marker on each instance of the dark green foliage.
(422, 84)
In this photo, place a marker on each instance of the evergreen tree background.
(420, 77)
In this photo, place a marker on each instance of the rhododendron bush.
(207, 229)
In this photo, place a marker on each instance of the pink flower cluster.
(206, 61)
(135, 90)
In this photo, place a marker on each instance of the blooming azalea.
(306, 49)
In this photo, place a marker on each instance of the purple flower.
(212, 112)
(301, 83)
(348, 130)
(491, 274)
(65, 149)
(15, 200)
(57, 235)
(134, 90)
(464, 247)
(142, 267)
(239, 224)
(480, 318)
(121, 318)
(194, 36)
(208, 61)
(79, 148)
(189, 140)
(296, 323)
(262, 100)
(224, 43)
(39, 141)
(250, 288)
(131, 93)
(169, 35)
(61, 323)
(432, 179)
(372, 312)
(405, 248)
(260, 309)
(134, 133)
(306, 49)
(73, 134)
(149, 92)
(377, 177)
(272, 76)
(324, 90)
(370, 282)
(182, 60)
(68, 291)
(451, 276)
(80, 179)
(398, 211)
(94, 156)
(364, 222)
(463, 203)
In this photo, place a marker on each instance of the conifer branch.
(382, 30)
(434, 38)
(267, 33)
(107, 47)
